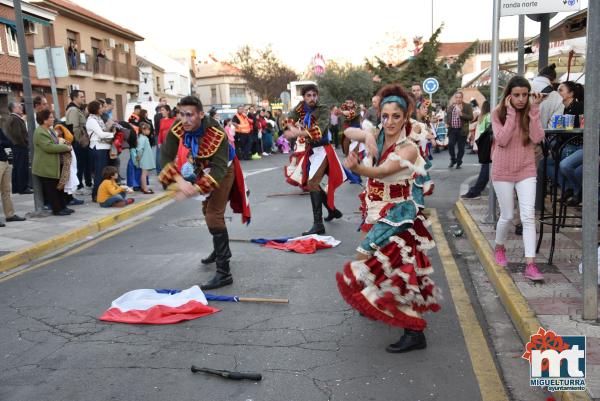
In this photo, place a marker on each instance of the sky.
(343, 31)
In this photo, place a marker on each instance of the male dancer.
(310, 119)
(219, 176)
(350, 117)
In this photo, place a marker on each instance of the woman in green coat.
(47, 160)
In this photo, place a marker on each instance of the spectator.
(188, 169)
(111, 194)
(373, 112)
(458, 118)
(334, 126)
(473, 125)
(100, 141)
(143, 157)
(267, 134)
(109, 106)
(5, 181)
(517, 129)
(212, 114)
(16, 131)
(572, 94)
(553, 103)
(39, 103)
(243, 130)
(230, 131)
(415, 89)
(144, 119)
(76, 122)
(158, 115)
(483, 125)
(253, 118)
(47, 162)
(134, 118)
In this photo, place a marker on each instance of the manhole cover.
(187, 223)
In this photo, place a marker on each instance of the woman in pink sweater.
(517, 128)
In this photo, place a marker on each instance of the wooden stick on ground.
(266, 300)
(287, 194)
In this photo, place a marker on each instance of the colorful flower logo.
(544, 340)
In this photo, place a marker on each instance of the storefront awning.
(27, 17)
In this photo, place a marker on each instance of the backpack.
(484, 145)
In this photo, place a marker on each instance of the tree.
(425, 64)
(339, 82)
(263, 71)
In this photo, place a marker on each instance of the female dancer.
(390, 281)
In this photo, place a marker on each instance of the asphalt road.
(315, 348)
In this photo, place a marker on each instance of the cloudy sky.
(340, 30)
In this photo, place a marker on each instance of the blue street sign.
(431, 85)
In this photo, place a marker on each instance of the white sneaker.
(265, 154)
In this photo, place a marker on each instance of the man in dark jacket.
(5, 179)
(16, 131)
(458, 117)
(76, 121)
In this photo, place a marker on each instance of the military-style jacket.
(319, 122)
(352, 120)
(212, 157)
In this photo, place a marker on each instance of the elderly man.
(458, 117)
(16, 131)
(5, 178)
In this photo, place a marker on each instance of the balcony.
(104, 69)
(126, 74)
(78, 69)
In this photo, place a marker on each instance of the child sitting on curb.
(188, 169)
(110, 194)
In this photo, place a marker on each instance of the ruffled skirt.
(393, 284)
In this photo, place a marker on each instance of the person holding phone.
(517, 129)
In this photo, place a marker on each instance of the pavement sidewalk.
(21, 242)
(555, 304)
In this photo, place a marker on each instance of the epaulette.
(211, 140)
(177, 129)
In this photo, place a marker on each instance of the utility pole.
(37, 187)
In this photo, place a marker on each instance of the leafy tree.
(340, 81)
(424, 65)
(263, 71)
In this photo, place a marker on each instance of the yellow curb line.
(517, 307)
(491, 387)
(22, 256)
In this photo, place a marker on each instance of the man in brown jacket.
(16, 131)
(458, 117)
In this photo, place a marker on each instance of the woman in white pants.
(517, 129)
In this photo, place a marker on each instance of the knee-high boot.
(317, 208)
(222, 255)
(331, 214)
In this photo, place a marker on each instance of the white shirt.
(551, 105)
(96, 134)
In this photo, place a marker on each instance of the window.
(157, 84)
(213, 95)
(237, 95)
(11, 40)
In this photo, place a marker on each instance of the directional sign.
(516, 7)
(431, 85)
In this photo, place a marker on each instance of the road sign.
(516, 7)
(431, 85)
(59, 62)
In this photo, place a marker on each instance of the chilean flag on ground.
(158, 306)
(305, 244)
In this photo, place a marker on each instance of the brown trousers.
(314, 184)
(214, 207)
(5, 181)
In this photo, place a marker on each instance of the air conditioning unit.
(110, 42)
(29, 27)
(126, 47)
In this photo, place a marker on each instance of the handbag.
(484, 145)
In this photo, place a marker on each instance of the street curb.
(25, 255)
(515, 304)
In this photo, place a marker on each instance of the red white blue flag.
(148, 306)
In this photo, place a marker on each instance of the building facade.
(218, 83)
(100, 55)
(38, 31)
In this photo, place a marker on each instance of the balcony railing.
(104, 67)
(75, 65)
